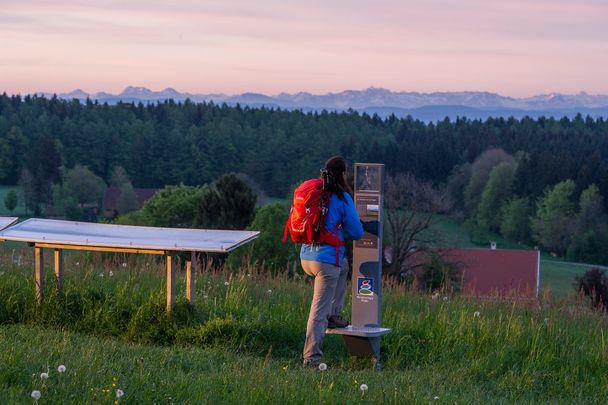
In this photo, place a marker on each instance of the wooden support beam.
(39, 262)
(100, 248)
(59, 270)
(170, 281)
(191, 278)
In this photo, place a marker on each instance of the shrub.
(439, 274)
(594, 285)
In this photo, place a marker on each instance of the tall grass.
(533, 351)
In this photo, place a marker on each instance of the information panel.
(367, 252)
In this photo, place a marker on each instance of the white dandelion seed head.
(77, 263)
(101, 275)
(322, 366)
(435, 398)
(546, 320)
(445, 298)
(226, 283)
(269, 292)
(111, 273)
(363, 387)
(119, 393)
(476, 314)
(36, 395)
(435, 296)
(44, 376)
(61, 368)
(124, 265)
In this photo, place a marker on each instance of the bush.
(268, 249)
(439, 274)
(595, 286)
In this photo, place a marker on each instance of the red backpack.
(306, 221)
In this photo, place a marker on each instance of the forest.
(538, 181)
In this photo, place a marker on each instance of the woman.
(319, 261)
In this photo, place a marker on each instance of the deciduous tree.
(411, 206)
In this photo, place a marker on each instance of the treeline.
(566, 223)
(170, 143)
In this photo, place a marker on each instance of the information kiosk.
(61, 235)
(362, 338)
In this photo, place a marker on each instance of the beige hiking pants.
(328, 299)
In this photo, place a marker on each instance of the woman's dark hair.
(333, 176)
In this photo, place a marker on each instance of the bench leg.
(39, 261)
(191, 279)
(170, 282)
(59, 270)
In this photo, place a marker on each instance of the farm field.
(242, 343)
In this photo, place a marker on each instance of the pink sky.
(512, 47)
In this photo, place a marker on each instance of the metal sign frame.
(362, 338)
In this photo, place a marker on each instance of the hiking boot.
(336, 321)
(311, 363)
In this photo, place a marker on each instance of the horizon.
(514, 49)
(92, 93)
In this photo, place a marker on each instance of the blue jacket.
(339, 212)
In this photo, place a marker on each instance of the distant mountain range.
(424, 106)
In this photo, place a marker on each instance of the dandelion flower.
(226, 283)
(61, 368)
(363, 387)
(36, 395)
(476, 314)
(322, 366)
(119, 393)
(44, 376)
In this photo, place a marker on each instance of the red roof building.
(497, 272)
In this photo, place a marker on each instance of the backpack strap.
(287, 223)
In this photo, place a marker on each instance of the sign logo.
(365, 286)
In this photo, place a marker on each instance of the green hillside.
(242, 343)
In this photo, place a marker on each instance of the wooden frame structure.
(55, 241)
(170, 266)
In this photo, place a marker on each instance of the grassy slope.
(96, 367)
(219, 351)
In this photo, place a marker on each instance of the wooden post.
(170, 282)
(39, 261)
(59, 270)
(191, 278)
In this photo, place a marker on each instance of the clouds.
(272, 45)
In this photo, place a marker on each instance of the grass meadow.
(242, 341)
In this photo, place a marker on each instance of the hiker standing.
(325, 260)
